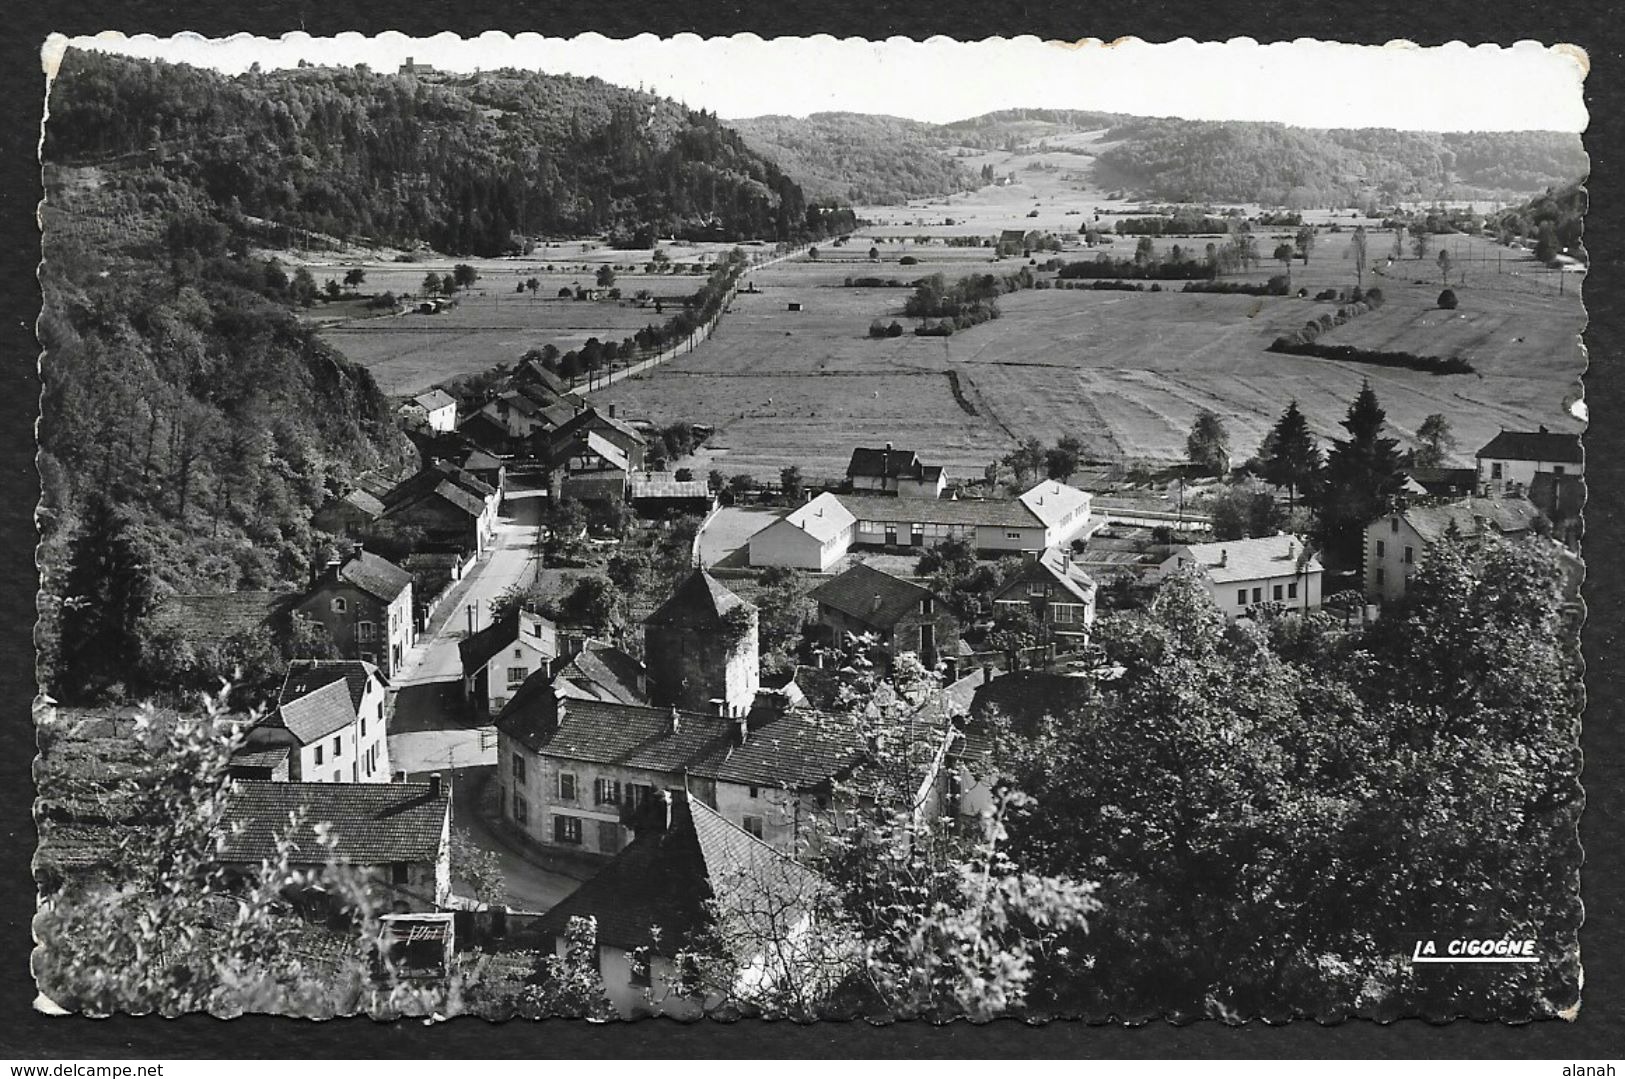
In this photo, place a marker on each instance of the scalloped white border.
(1310, 83)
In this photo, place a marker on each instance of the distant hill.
(859, 158)
(878, 159)
(1185, 160)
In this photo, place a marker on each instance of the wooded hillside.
(859, 158)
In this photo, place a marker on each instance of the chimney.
(875, 606)
(397, 777)
(676, 720)
(720, 704)
(434, 784)
(741, 729)
(473, 618)
(612, 412)
(1224, 557)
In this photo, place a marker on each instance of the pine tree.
(1362, 477)
(107, 595)
(1292, 458)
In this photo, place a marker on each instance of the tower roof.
(700, 602)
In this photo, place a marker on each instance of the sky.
(1454, 87)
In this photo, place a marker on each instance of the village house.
(700, 648)
(436, 408)
(813, 536)
(1439, 482)
(364, 603)
(891, 471)
(1241, 574)
(397, 835)
(328, 727)
(1049, 514)
(902, 616)
(352, 515)
(598, 671)
(1395, 545)
(1060, 596)
(1509, 462)
(711, 875)
(452, 509)
(575, 773)
(487, 433)
(661, 494)
(498, 658)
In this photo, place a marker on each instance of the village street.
(432, 726)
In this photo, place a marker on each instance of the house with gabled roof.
(894, 471)
(1242, 574)
(328, 727)
(350, 515)
(691, 871)
(1397, 544)
(499, 658)
(1058, 594)
(662, 494)
(600, 671)
(813, 536)
(437, 408)
(901, 615)
(398, 835)
(1509, 462)
(364, 602)
(534, 372)
(453, 509)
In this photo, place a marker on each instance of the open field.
(1125, 372)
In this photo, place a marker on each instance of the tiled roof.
(313, 716)
(595, 486)
(1052, 501)
(375, 575)
(374, 484)
(603, 671)
(884, 464)
(792, 750)
(375, 823)
(993, 512)
(484, 431)
(215, 618)
(700, 857)
(667, 485)
(824, 518)
(699, 602)
(445, 481)
(1506, 515)
(436, 398)
(366, 503)
(1545, 446)
(872, 596)
(609, 451)
(1249, 559)
(476, 459)
(531, 371)
(307, 675)
(260, 757)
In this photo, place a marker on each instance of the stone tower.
(700, 649)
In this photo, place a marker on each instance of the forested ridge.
(1273, 164)
(859, 158)
(470, 164)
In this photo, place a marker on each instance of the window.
(339, 605)
(1410, 556)
(755, 792)
(498, 703)
(338, 775)
(925, 605)
(638, 971)
(1064, 614)
(607, 792)
(1393, 524)
(566, 829)
(1380, 575)
(753, 825)
(521, 808)
(1258, 595)
(1292, 590)
(518, 768)
(338, 747)
(1012, 535)
(366, 631)
(1558, 470)
(399, 873)
(1241, 596)
(1276, 594)
(1382, 548)
(1495, 470)
(516, 675)
(363, 726)
(1035, 588)
(518, 653)
(567, 787)
(318, 754)
(638, 795)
